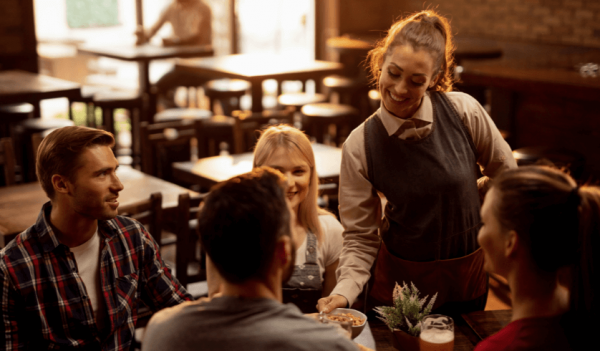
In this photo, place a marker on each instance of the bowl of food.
(358, 319)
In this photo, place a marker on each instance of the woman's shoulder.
(330, 224)
(463, 102)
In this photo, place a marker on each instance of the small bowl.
(356, 330)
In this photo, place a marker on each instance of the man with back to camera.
(244, 227)
(74, 279)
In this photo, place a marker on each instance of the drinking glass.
(437, 333)
(341, 323)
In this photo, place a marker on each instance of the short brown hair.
(59, 152)
(424, 30)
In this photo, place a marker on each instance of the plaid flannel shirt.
(44, 301)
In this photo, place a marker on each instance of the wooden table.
(20, 86)
(469, 329)
(256, 68)
(21, 204)
(145, 53)
(211, 170)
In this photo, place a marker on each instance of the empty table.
(211, 170)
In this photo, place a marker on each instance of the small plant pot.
(404, 341)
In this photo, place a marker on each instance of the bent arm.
(360, 213)
(494, 153)
(160, 288)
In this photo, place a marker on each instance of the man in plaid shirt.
(74, 279)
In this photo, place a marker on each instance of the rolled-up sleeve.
(360, 213)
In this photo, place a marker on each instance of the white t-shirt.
(329, 250)
(87, 256)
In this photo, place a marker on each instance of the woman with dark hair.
(541, 233)
(420, 152)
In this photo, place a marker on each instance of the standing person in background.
(541, 233)
(191, 23)
(190, 20)
(421, 151)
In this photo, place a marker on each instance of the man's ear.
(283, 250)
(60, 184)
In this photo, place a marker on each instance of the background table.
(211, 170)
(256, 68)
(143, 54)
(21, 204)
(21, 86)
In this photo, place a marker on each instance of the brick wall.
(571, 22)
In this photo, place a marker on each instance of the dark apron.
(305, 288)
(429, 232)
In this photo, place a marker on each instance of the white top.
(87, 256)
(329, 250)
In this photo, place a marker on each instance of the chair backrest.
(165, 143)
(8, 161)
(248, 125)
(190, 259)
(149, 213)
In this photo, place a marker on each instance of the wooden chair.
(248, 125)
(164, 143)
(190, 259)
(8, 161)
(149, 213)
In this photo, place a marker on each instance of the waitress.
(421, 152)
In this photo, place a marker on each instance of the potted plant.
(405, 316)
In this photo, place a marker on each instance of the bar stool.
(319, 117)
(298, 100)
(560, 157)
(129, 100)
(12, 114)
(178, 114)
(227, 91)
(350, 91)
(374, 100)
(87, 98)
(25, 130)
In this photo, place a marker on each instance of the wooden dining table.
(211, 170)
(18, 86)
(20, 205)
(469, 329)
(256, 68)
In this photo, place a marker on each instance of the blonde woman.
(318, 234)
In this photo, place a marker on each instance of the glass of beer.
(437, 333)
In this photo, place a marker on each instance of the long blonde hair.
(294, 140)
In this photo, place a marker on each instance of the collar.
(423, 117)
(48, 240)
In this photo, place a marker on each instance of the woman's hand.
(329, 303)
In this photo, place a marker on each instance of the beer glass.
(437, 333)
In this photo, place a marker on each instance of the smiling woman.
(422, 150)
(318, 235)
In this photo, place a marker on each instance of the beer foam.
(437, 336)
